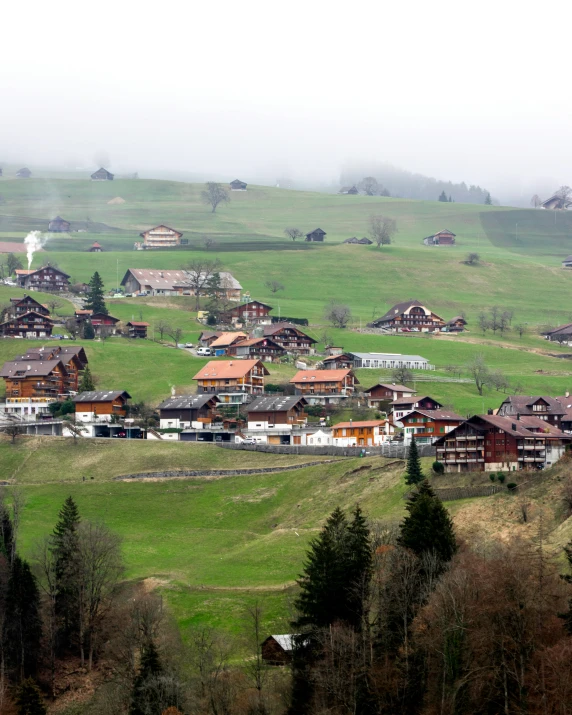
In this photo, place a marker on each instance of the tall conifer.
(22, 625)
(145, 699)
(359, 566)
(95, 300)
(86, 384)
(29, 699)
(413, 473)
(64, 547)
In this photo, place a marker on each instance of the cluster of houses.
(414, 316)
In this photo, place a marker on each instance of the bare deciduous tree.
(274, 286)
(520, 329)
(200, 272)
(209, 243)
(45, 569)
(369, 185)
(176, 334)
(13, 431)
(293, 233)
(255, 668)
(163, 328)
(402, 375)
(214, 194)
(478, 370)
(382, 229)
(338, 314)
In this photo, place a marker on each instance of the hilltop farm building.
(167, 282)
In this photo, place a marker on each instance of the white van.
(204, 351)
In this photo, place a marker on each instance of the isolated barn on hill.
(238, 185)
(441, 238)
(95, 248)
(161, 237)
(316, 235)
(102, 175)
(58, 225)
(24, 173)
(557, 203)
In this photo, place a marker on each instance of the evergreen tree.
(29, 699)
(360, 566)
(413, 472)
(428, 526)
(488, 200)
(64, 548)
(145, 699)
(567, 616)
(94, 300)
(443, 196)
(6, 532)
(88, 331)
(450, 199)
(86, 384)
(22, 625)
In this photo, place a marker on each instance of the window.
(441, 429)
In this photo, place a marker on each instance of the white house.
(321, 438)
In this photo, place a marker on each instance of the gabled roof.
(138, 324)
(242, 306)
(411, 400)
(186, 402)
(31, 368)
(29, 312)
(37, 270)
(522, 404)
(249, 342)
(227, 369)
(270, 330)
(401, 308)
(365, 423)
(286, 642)
(227, 339)
(437, 415)
(561, 329)
(101, 396)
(308, 376)
(316, 230)
(104, 315)
(275, 403)
(161, 225)
(456, 319)
(394, 387)
(25, 299)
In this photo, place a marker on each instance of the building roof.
(37, 270)
(254, 341)
(104, 315)
(186, 402)
(238, 308)
(561, 329)
(316, 230)
(523, 404)
(23, 272)
(159, 279)
(270, 330)
(365, 423)
(101, 396)
(394, 387)
(389, 356)
(227, 339)
(83, 312)
(437, 415)
(304, 376)
(286, 641)
(161, 225)
(95, 244)
(227, 369)
(138, 324)
(30, 368)
(412, 400)
(456, 319)
(568, 259)
(274, 403)
(29, 312)
(400, 309)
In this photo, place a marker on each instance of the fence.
(454, 493)
(391, 451)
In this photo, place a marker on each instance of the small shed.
(277, 650)
(23, 173)
(316, 235)
(441, 238)
(58, 225)
(102, 175)
(95, 248)
(238, 185)
(567, 262)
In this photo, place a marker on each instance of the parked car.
(189, 345)
(204, 351)
(249, 440)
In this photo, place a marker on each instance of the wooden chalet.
(441, 238)
(291, 338)
(102, 175)
(221, 344)
(455, 325)
(102, 323)
(411, 315)
(27, 325)
(381, 396)
(557, 203)
(428, 425)
(404, 405)
(344, 361)
(232, 380)
(277, 650)
(137, 329)
(20, 306)
(47, 279)
(548, 409)
(367, 433)
(277, 412)
(251, 313)
(161, 237)
(316, 235)
(264, 349)
(187, 411)
(95, 248)
(44, 372)
(238, 185)
(352, 191)
(24, 173)
(492, 442)
(562, 334)
(206, 337)
(59, 225)
(324, 386)
(101, 405)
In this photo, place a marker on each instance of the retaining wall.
(390, 451)
(218, 472)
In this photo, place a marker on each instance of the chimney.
(351, 421)
(566, 394)
(518, 415)
(489, 411)
(513, 426)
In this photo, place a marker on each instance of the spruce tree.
(64, 547)
(88, 333)
(6, 533)
(360, 566)
(488, 200)
(413, 472)
(22, 624)
(86, 384)
(443, 196)
(145, 699)
(95, 300)
(428, 526)
(29, 699)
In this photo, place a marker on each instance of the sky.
(460, 91)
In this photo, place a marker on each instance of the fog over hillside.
(253, 90)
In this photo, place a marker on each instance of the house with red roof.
(326, 387)
(368, 433)
(232, 380)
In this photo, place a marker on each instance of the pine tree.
(23, 625)
(95, 300)
(360, 566)
(488, 200)
(143, 698)
(29, 699)
(88, 331)
(567, 616)
(413, 473)
(6, 532)
(450, 199)
(428, 527)
(86, 384)
(443, 196)
(64, 548)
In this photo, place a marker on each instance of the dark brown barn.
(316, 235)
(277, 650)
(58, 225)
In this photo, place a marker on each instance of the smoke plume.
(34, 241)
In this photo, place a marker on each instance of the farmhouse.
(238, 185)
(492, 442)
(391, 361)
(411, 315)
(441, 238)
(187, 411)
(23, 173)
(20, 306)
(379, 396)
(232, 380)
(35, 378)
(567, 262)
(291, 338)
(47, 279)
(545, 408)
(344, 361)
(253, 312)
(455, 325)
(428, 425)
(102, 175)
(277, 650)
(102, 323)
(102, 405)
(562, 334)
(95, 248)
(557, 203)
(58, 225)
(173, 283)
(137, 329)
(161, 237)
(370, 433)
(27, 325)
(363, 241)
(271, 412)
(222, 343)
(326, 387)
(404, 405)
(316, 235)
(264, 349)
